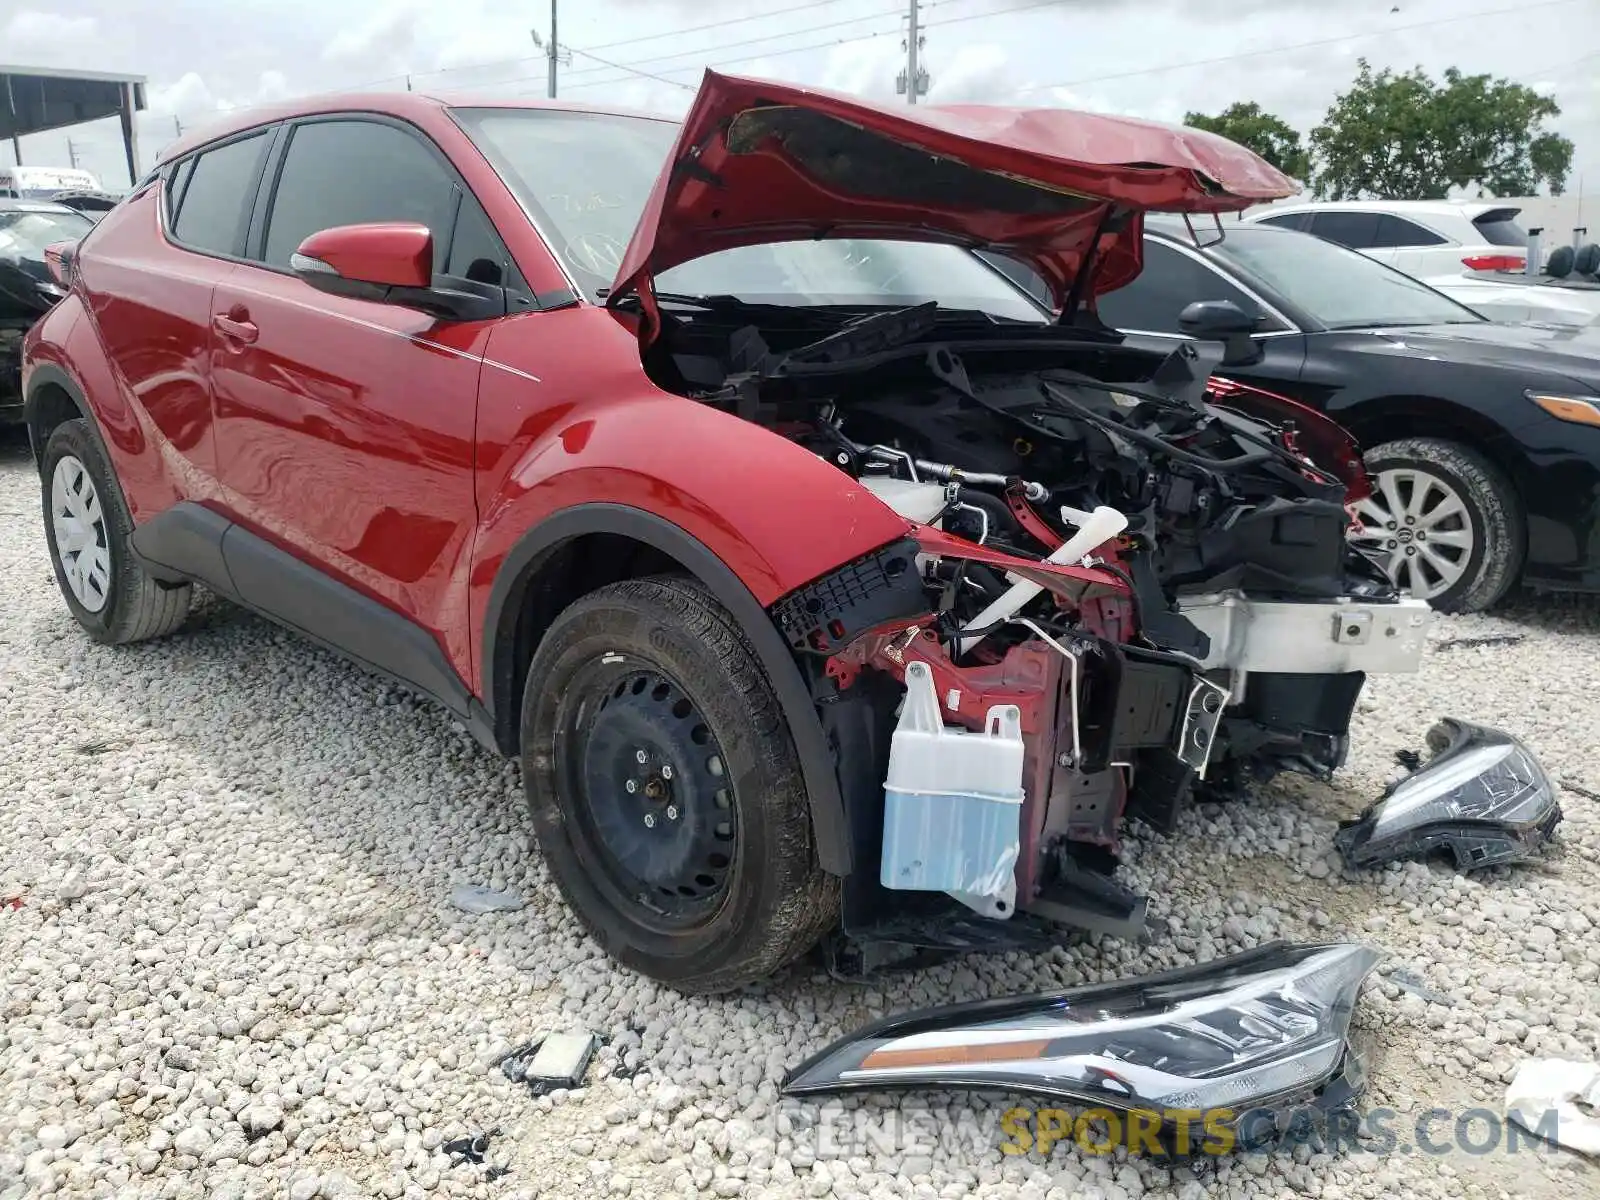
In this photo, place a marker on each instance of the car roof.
(42, 206)
(1436, 208)
(403, 105)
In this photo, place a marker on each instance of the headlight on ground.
(1258, 1029)
(1483, 797)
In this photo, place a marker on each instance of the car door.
(345, 426)
(1414, 249)
(151, 294)
(1147, 311)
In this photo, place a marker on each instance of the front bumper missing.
(1482, 796)
(1310, 637)
(1258, 1032)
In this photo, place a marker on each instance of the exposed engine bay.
(1104, 546)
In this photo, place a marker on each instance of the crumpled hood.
(763, 162)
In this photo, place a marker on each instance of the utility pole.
(72, 153)
(552, 51)
(177, 125)
(554, 47)
(913, 81)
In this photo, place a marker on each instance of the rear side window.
(1288, 221)
(1499, 227)
(1357, 230)
(353, 173)
(1397, 231)
(215, 205)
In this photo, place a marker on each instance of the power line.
(1329, 41)
(632, 70)
(657, 60)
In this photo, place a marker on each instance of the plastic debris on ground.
(477, 900)
(1559, 1100)
(558, 1060)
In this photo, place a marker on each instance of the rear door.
(1414, 248)
(345, 426)
(150, 272)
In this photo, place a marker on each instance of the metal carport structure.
(39, 99)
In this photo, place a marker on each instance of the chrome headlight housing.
(1482, 796)
(1255, 1030)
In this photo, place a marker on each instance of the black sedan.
(27, 290)
(1483, 438)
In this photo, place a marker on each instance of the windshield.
(1338, 288)
(585, 177)
(25, 234)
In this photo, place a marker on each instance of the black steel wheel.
(651, 789)
(666, 791)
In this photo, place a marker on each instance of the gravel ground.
(235, 970)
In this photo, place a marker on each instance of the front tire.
(86, 526)
(1444, 522)
(666, 790)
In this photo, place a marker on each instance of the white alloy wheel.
(1418, 527)
(80, 528)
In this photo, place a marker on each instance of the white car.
(1474, 252)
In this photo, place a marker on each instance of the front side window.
(1170, 282)
(355, 173)
(215, 206)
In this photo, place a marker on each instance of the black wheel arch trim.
(789, 686)
(49, 375)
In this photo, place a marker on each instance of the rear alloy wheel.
(86, 525)
(1443, 522)
(666, 791)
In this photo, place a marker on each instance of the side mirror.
(391, 263)
(1222, 321)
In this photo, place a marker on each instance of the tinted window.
(1291, 221)
(475, 251)
(175, 185)
(1340, 288)
(353, 173)
(1397, 231)
(1499, 227)
(215, 205)
(1358, 230)
(1170, 282)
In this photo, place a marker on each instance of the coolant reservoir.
(953, 802)
(914, 501)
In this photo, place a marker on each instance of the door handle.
(234, 328)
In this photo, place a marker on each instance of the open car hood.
(763, 162)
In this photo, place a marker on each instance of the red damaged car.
(826, 587)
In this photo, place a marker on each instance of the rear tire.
(87, 525)
(666, 791)
(1444, 522)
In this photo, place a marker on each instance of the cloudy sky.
(1149, 58)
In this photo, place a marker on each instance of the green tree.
(1406, 137)
(1273, 138)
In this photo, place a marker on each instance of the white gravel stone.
(237, 970)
